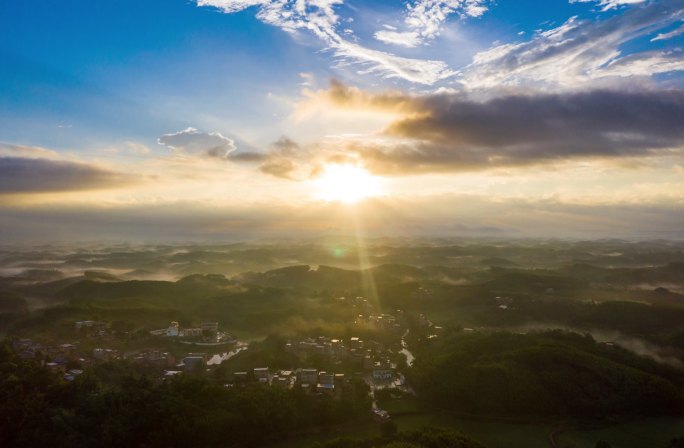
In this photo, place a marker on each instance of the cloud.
(578, 52)
(30, 175)
(609, 4)
(276, 160)
(340, 95)
(191, 142)
(279, 167)
(425, 18)
(665, 36)
(319, 18)
(450, 132)
(12, 150)
(644, 64)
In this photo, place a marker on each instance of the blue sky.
(139, 87)
(120, 70)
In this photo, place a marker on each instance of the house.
(283, 379)
(209, 326)
(191, 332)
(72, 374)
(66, 349)
(280, 381)
(308, 376)
(326, 379)
(54, 367)
(22, 344)
(356, 343)
(262, 374)
(383, 374)
(193, 363)
(380, 415)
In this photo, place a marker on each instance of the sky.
(203, 120)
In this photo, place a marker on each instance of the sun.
(346, 183)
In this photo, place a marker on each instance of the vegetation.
(543, 374)
(120, 408)
(423, 438)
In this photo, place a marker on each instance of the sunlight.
(346, 183)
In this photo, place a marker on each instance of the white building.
(173, 329)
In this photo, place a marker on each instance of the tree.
(388, 429)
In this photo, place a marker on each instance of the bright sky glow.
(346, 183)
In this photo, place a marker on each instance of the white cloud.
(665, 36)
(578, 52)
(230, 6)
(425, 18)
(192, 142)
(415, 70)
(319, 18)
(644, 64)
(403, 38)
(609, 4)
(568, 56)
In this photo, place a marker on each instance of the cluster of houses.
(309, 380)
(53, 357)
(57, 357)
(93, 328)
(153, 358)
(28, 349)
(369, 356)
(175, 330)
(386, 322)
(208, 331)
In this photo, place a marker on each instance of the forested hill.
(543, 374)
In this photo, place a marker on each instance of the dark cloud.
(279, 167)
(285, 146)
(248, 157)
(24, 175)
(448, 132)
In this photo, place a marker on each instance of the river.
(405, 350)
(219, 358)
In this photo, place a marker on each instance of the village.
(324, 366)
